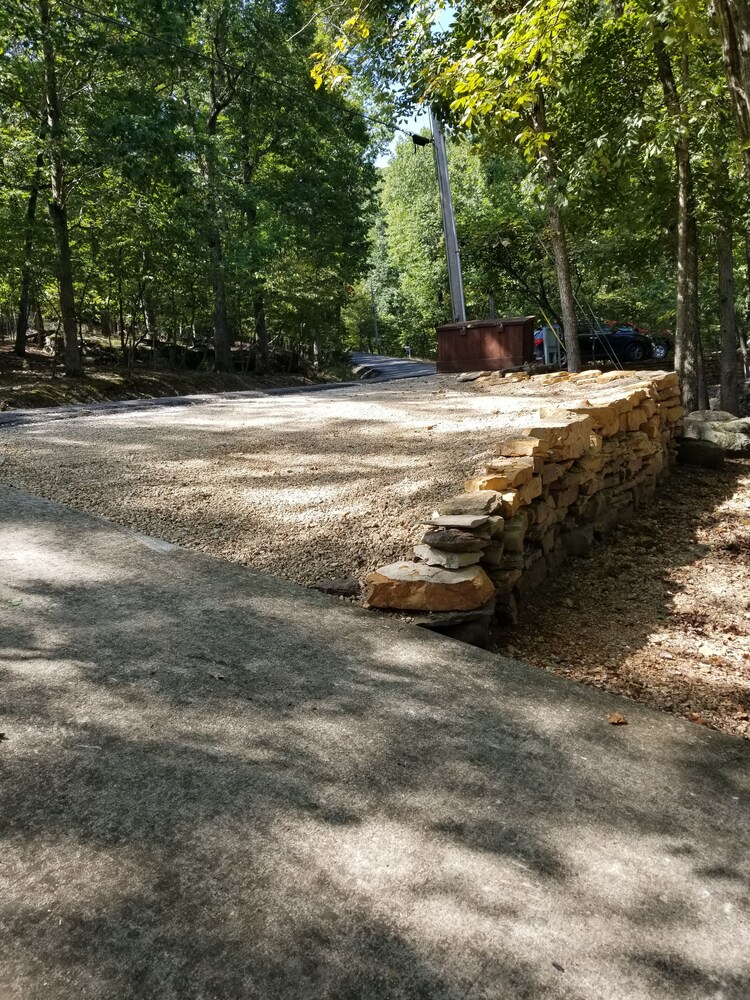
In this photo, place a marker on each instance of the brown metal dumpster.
(485, 344)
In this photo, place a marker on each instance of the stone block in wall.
(496, 526)
(596, 443)
(595, 505)
(604, 419)
(561, 513)
(453, 540)
(512, 501)
(551, 472)
(513, 471)
(485, 482)
(504, 580)
(573, 477)
(511, 561)
(644, 491)
(542, 510)
(483, 502)
(634, 419)
(532, 489)
(567, 497)
(522, 447)
(579, 542)
(611, 517)
(666, 383)
(535, 532)
(419, 587)
(494, 555)
(591, 463)
(506, 609)
(674, 413)
(448, 560)
(544, 535)
(462, 522)
(566, 436)
(515, 532)
(668, 402)
(640, 443)
(531, 554)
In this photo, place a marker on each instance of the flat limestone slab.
(219, 785)
(421, 587)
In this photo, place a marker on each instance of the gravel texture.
(325, 485)
(333, 484)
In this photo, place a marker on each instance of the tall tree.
(59, 186)
(733, 17)
(687, 332)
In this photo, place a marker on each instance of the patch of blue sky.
(419, 119)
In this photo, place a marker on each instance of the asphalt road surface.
(389, 368)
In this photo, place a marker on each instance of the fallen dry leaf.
(615, 719)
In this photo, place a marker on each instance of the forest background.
(189, 180)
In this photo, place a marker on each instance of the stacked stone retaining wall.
(548, 493)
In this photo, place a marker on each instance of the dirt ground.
(661, 612)
(38, 380)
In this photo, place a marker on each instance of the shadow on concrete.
(216, 784)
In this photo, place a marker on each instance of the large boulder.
(709, 416)
(419, 587)
(719, 427)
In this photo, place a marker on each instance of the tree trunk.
(121, 318)
(24, 305)
(733, 17)
(222, 92)
(39, 325)
(57, 210)
(727, 318)
(559, 242)
(687, 327)
(565, 286)
(261, 335)
(222, 337)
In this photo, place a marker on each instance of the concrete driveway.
(217, 785)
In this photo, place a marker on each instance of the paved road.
(217, 785)
(390, 368)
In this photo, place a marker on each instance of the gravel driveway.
(303, 486)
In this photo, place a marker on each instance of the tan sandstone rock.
(419, 587)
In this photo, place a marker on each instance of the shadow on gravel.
(283, 486)
(220, 786)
